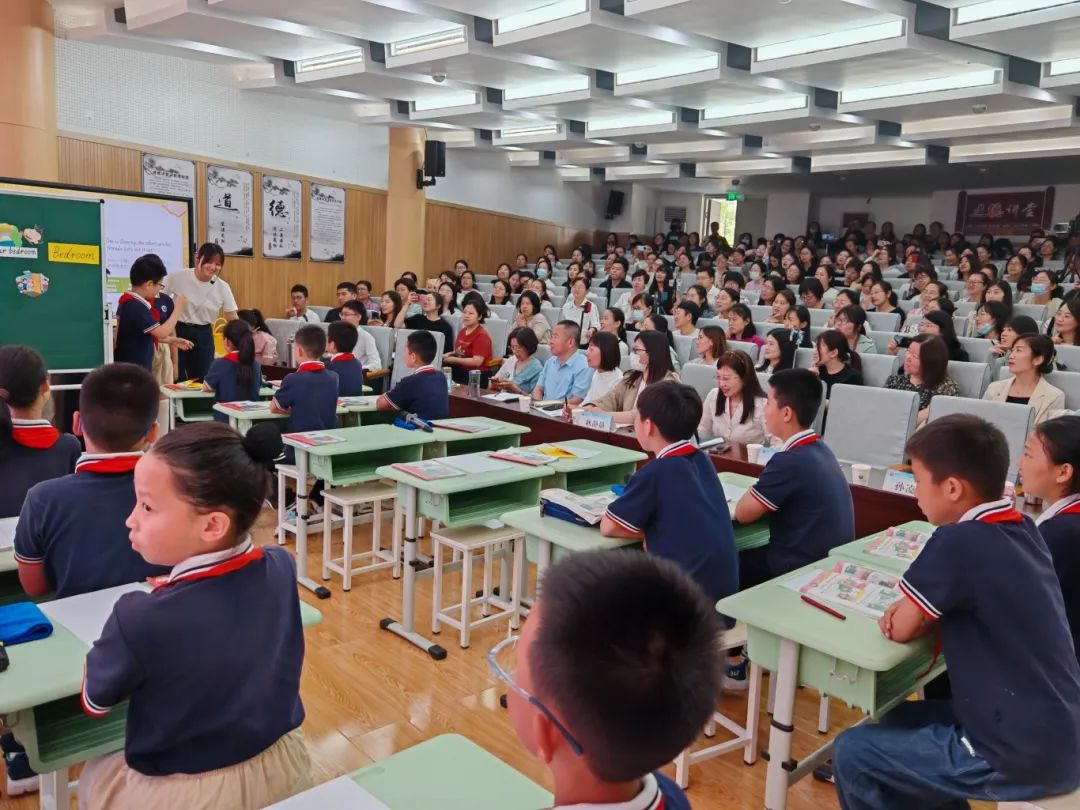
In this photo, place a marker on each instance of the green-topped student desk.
(39, 701)
(194, 404)
(849, 660)
(243, 421)
(10, 589)
(352, 461)
(753, 535)
(460, 500)
(548, 539)
(855, 551)
(593, 475)
(497, 436)
(362, 411)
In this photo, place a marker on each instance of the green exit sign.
(735, 196)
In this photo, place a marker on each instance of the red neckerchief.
(310, 365)
(1074, 509)
(1003, 514)
(107, 464)
(343, 356)
(677, 449)
(37, 434)
(208, 570)
(232, 357)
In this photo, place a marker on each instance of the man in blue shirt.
(424, 392)
(566, 374)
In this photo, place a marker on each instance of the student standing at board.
(139, 324)
(207, 296)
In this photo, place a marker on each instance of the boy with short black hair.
(606, 687)
(424, 392)
(346, 291)
(309, 395)
(71, 537)
(802, 489)
(139, 323)
(341, 340)
(675, 503)
(985, 584)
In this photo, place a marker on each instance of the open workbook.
(852, 585)
(897, 543)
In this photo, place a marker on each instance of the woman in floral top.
(925, 367)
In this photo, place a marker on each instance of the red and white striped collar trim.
(37, 434)
(107, 463)
(1000, 511)
(425, 370)
(683, 448)
(133, 296)
(799, 439)
(311, 365)
(1069, 505)
(214, 564)
(650, 798)
(342, 356)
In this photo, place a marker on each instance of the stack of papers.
(565, 451)
(898, 544)
(463, 425)
(502, 396)
(428, 470)
(313, 438)
(357, 402)
(246, 406)
(524, 455)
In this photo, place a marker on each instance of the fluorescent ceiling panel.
(666, 68)
(573, 83)
(1062, 67)
(647, 118)
(429, 42)
(1003, 8)
(336, 60)
(940, 84)
(867, 160)
(446, 102)
(1015, 149)
(831, 41)
(781, 104)
(668, 171)
(543, 14)
(574, 174)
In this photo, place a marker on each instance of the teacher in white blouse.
(208, 297)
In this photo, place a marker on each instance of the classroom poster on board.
(327, 234)
(135, 227)
(228, 210)
(168, 176)
(282, 203)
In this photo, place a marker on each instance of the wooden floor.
(368, 694)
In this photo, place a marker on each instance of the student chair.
(978, 349)
(1035, 311)
(468, 541)
(883, 321)
(700, 377)
(878, 441)
(499, 330)
(744, 346)
(1067, 357)
(1069, 382)
(818, 317)
(401, 371)
(745, 735)
(543, 353)
(971, 378)
(384, 343)
(1013, 420)
(685, 348)
(553, 314)
(964, 308)
(877, 368)
(760, 313)
(283, 330)
(881, 340)
(348, 499)
(804, 358)
(320, 311)
(285, 526)
(504, 311)
(960, 325)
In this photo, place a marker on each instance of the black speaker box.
(435, 158)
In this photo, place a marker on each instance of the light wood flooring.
(369, 694)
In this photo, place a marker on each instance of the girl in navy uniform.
(1050, 469)
(236, 377)
(31, 449)
(214, 713)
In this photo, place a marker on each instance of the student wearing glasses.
(650, 363)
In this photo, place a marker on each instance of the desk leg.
(404, 628)
(172, 413)
(777, 776)
(302, 578)
(55, 791)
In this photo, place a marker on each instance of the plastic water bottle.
(474, 383)
(449, 379)
(289, 361)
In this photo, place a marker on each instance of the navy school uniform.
(36, 452)
(311, 393)
(809, 503)
(222, 688)
(424, 393)
(1059, 526)
(165, 306)
(223, 380)
(989, 583)
(350, 374)
(74, 527)
(678, 503)
(135, 318)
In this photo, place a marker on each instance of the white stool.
(286, 473)
(347, 499)
(467, 541)
(1068, 802)
(746, 737)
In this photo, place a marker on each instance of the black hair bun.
(263, 442)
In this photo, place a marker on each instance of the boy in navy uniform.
(423, 392)
(985, 584)
(802, 488)
(675, 503)
(71, 536)
(139, 321)
(341, 340)
(309, 395)
(615, 673)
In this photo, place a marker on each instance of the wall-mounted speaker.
(614, 204)
(435, 158)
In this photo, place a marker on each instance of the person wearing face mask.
(758, 271)
(990, 319)
(1044, 292)
(641, 307)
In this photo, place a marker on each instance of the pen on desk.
(824, 608)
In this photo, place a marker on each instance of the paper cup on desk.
(524, 403)
(860, 474)
(752, 452)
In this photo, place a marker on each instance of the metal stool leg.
(347, 514)
(437, 586)
(466, 596)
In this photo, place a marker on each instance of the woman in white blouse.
(581, 310)
(604, 357)
(735, 409)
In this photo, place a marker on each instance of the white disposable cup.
(524, 403)
(860, 474)
(752, 452)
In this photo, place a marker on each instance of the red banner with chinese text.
(1004, 212)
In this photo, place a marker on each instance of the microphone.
(213, 279)
(416, 421)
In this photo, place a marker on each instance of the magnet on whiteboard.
(32, 285)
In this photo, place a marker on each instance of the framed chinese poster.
(1004, 213)
(281, 214)
(327, 228)
(229, 195)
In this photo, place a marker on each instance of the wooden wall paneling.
(86, 163)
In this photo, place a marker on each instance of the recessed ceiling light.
(983, 170)
(814, 127)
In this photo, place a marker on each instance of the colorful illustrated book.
(855, 586)
(898, 544)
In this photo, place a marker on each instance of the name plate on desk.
(765, 454)
(596, 421)
(902, 483)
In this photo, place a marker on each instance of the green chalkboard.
(52, 286)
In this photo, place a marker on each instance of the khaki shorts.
(163, 365)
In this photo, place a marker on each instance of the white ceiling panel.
(1039, 34)
(372, 79)
(947, 129)
(1000, 97)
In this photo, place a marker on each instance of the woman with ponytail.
(237, 376)
(31, 449)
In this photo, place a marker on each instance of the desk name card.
(902, 483)
(596, 421)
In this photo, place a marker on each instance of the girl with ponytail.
(237, 376)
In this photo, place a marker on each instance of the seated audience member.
(308, 395)
(741, 326)
(941, 324)
(709, 346)
(797, 322)
(299, 310)
(1044, 292)
(613, 321)
(1017, 325)
(925, 372)
(676, 504)
(641, 307)
(266, 348)
(805, 495)
(346, 291)
(341, 340)
(650, 363)
(31, 449)
(604, 358)
(851, 323)
(528, 314)
(520, 371)
(500, 293)
(466, 284)
(472, 348)
(1030, 360)
(625, 717)
(72, 536)
(638, 282)
(697, 296)
(579, 309)
(236, 377)
(844, 298)
(705, 279)
(366, 350)
(686, 314)
(448, 295)
(985, 586)
(363, 295)
(834, 362)
(781, 303)
(1065, 328)
(812, 293)
(430, 316)
(778, 353)
(139, 325)
(423, 392)
(566, 373)
(659, 323)
(883, 300)
(617, 273)
(990, 318)
(735, 409)
(725, 300)
(390, 305)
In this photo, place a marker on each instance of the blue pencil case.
(22, 622)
